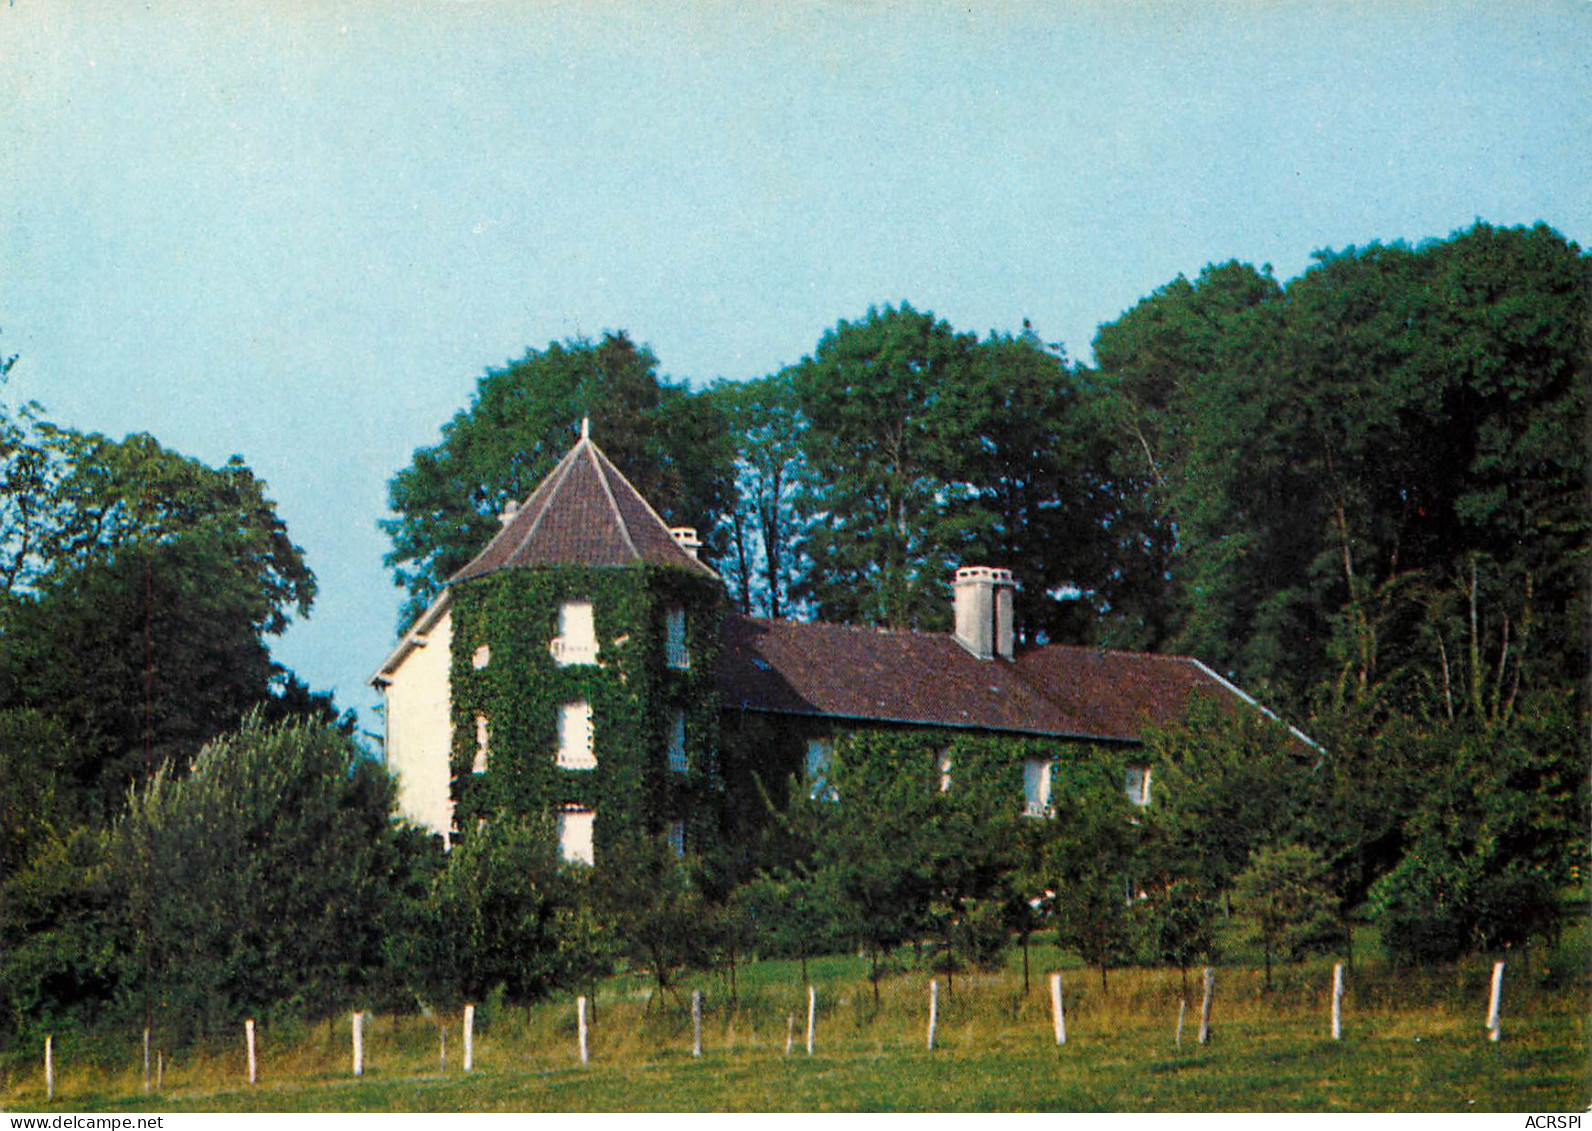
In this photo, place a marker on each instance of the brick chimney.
(984, 611)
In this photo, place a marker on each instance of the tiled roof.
(928, 678)
(584, 513)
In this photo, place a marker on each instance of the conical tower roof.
(584, 513)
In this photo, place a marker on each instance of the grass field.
(1413, 1041)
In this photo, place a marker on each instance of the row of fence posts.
(1058, 1021)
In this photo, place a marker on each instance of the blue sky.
(300, 231)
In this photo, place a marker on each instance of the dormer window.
(483, 745)
(1138, 785)
(576, 642)
(1036, 788)
(819, 753)
(674, 651)
(677, 757)
(576, 741)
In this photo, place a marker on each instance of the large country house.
(585, 666)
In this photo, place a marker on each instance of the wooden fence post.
(790, 1032)
(580, 1020)
(469, 1037)
(160, 1068)
(934, 1008)
(1058, 1020)
(248, 1037)
(442, 1048)
(812, 1008)
(1205, 1006)
(359, 1043)
(146, 1060)
(1337, 1001)
(49, 1067)
(696, 1023)
(1182, 1004)
(1495, 1001)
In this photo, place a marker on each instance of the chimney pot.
(983, 596)
(686, 538)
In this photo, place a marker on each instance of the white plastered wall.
(420, 729)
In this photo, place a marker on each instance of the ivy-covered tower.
(582, 648)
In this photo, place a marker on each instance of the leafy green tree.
(1284, 895)
(1033, 468)
(503, 912)
(1092, 855)
(1501, 827)
(34, 804)
(1227, 781)
(763, 529)
(302, 820)
(1184, 925)
(140, 657)
(654, 909)
(672, 445)
(68, 948)
(879, 440)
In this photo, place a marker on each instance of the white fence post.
(696, 1023)
(1205, 1006)
(1337, 1001)
(1495, 1001)
(1058, 1021)
(248, 1037)
(469, 1037)
(160, 1068)
(790, 1032)
(442, 1048)
(49, 1067)
(146, 1060)
(359, 1043)
(812, 1008)
(934, 1008)
(580, 1018)
(1182, 1004)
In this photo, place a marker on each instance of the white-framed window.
(576, 642)
(1036, 787)
(481, 657)
(1138, 785)
(575, 834)
(676, 834)
(674, 650)
(820, 751)
(677, 756)
(577, 748)
(945, 771)
(483, 745)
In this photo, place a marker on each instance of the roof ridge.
(555, 480)
(598, 459)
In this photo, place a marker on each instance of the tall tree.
(142, 586)
(763, 529)
(672, 445)
(879, 441)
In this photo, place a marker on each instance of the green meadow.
(1413, 1040)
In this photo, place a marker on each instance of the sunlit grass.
(1413, 1040)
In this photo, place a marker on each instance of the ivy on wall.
(633, 694)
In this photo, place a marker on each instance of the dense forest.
(1360, 493)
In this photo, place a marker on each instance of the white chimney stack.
(984, 611)
(686, 538)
